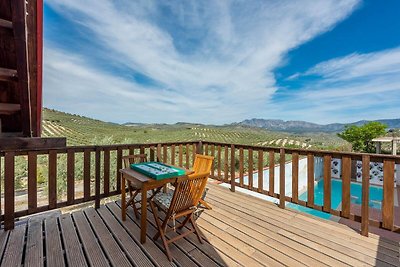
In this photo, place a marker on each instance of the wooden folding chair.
(134, 189)
(203, 163)
(181, 203)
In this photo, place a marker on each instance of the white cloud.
(213, 61)
(350, 88)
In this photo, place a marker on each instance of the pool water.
(375, 195)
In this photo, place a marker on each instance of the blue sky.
(223, 61)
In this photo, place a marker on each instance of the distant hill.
(308, 127)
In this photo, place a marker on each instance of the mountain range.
(304, 126)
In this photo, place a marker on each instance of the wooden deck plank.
(14, 248)
(53, 249)
(110, 246)
(131, 248)
(34, 243)
(90, 244)
(3, 241)
(154, 252)
(72, 246)
(354, 250)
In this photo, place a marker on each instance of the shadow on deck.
(240, 231)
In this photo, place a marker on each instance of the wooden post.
(52, 179)
(9, 190)
(86, 174)
(187, 156)
(241, 166)
(346, 177)
(282, 179)
(97, 179)
(219, 162)
(271, 166)
(250, 169)
(32, 181)
(365, 196)
(199, 148)
(327, 183)
(233, 175)
(173, 154)
(152, 153)
(226, 164)
(388, 194)
(70, 176)
(180, 155)
(260, 185)
(295, 177)
(106, 172)
(310, 180)
(119, 166)
(165, 153)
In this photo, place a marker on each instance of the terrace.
(239, 230)
(60, 205)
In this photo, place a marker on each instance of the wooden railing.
(98, 174)
(229, 166)
(236, 164)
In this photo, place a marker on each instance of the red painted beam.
(39, 54)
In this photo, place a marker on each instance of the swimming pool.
(375, 195)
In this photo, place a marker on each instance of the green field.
(85, 131)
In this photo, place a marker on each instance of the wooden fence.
(234, 163)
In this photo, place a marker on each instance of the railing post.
(233, 176)
(97, 179)
(365, 196)
(388, 194)
(199, 148)
(9, 190)
(282, 179)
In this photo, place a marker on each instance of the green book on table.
(157, 170)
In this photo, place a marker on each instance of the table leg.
(123, 200)
(143, 221)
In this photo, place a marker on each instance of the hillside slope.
(85, 131)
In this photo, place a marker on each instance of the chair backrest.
(130, 159)
(202, 163)
(187, 192)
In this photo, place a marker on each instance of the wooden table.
(147, 184)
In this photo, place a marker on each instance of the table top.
(142, 178)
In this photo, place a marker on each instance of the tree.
(361, 137)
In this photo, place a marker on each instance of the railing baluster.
(282, 184)
(241, 166)
(295, 177)
(219, 163)
(388, 194)
(159, 153)
(152, 153)
(213, 164)
(9, 187)
(180, 155)
(206, 149)
(165, 153)
(327, 183)
(365, 196)
(250, 169)
(233, 173)
(97, 178)
(226, 164)
(271, 169)
(106, 171)
(260, 171)
(194, 150)
(119, 166)
(187, 156)
(86, 174)
(310, 180)
(346, 175)
(70, 176)
(173, 154)
(52, 179)
(32, 181)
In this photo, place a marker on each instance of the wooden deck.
(240, 231)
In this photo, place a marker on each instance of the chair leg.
(161, 231)
(195, 228)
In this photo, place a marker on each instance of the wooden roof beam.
(8, 109)
(8, 75)
(6, 24)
